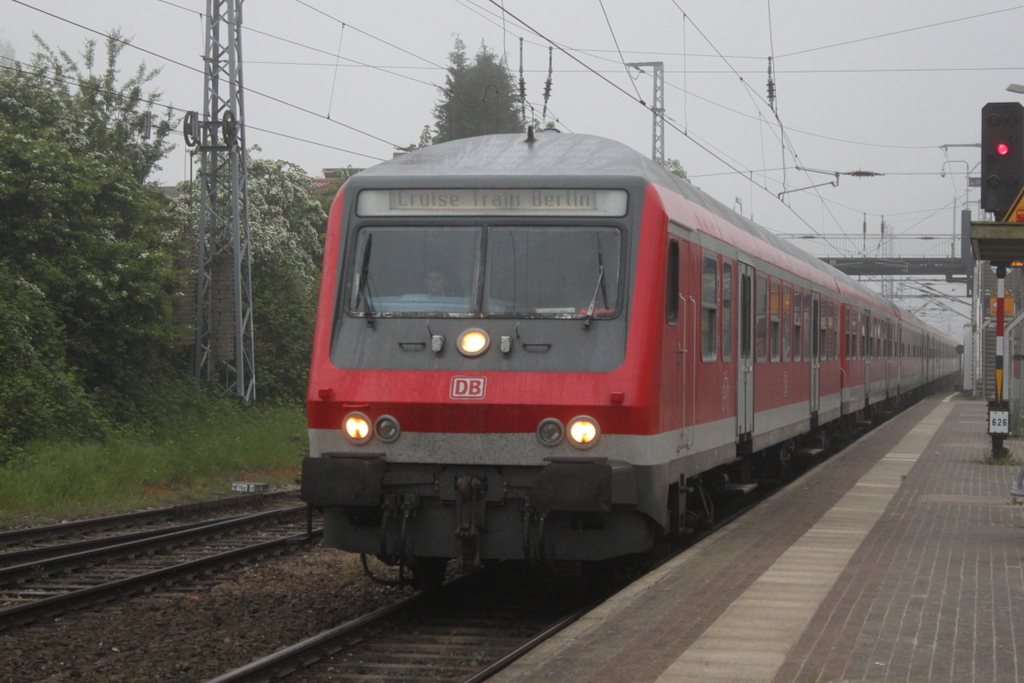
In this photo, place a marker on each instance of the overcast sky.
(868, 85)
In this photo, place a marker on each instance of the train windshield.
(561, 272)
(416, 270)
(552, 271)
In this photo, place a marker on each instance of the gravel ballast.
(200, 632)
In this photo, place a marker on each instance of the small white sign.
(247, 487)
(998, 422)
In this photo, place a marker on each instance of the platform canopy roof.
(998, 242)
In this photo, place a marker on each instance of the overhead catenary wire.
(698, 72)
(782, 137)
(511, 23)
(902, 31)
(369, 35)
(621, 58)
(128, 43)
(705, 144)
(334, 81)
(688, 134)
(152, 102)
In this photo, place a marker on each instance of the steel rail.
(37, 553)
(119, 548)
(549, 632)
(27, 612)
(310, 650)
(27, 534)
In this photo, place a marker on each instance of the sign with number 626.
(999, 422)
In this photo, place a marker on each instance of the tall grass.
(194, 457)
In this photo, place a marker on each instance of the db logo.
(469, 387)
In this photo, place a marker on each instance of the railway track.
(55, 539)
(466, 631)
(104, 568)
(469, 630)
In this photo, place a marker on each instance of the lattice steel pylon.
(657, 109)
(224, 331)
(886, 251)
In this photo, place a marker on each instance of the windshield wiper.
(599, 288)
(363, 291)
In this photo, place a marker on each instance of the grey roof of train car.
(557, 154)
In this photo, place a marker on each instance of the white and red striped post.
(999, 410)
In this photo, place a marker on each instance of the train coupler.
(470, 518)
(401, 507)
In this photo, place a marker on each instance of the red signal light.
(1002, 149)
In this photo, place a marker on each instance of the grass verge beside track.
(193, 459)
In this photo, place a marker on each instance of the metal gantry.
(224, 329)
(657, 108)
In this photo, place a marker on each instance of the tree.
(478, 98)
(673, 166)
(84, 249)
(39, 394)
(105, 116)
(285, 225)
(7, 55)
(426, 139)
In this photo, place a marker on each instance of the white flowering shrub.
(286, 224)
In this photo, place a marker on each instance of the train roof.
(558, 154)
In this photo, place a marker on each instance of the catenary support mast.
(224, 331)
(657, 108)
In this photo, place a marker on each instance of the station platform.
(898, 559)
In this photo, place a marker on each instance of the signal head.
(1002, 156)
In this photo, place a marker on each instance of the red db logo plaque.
(469, 387)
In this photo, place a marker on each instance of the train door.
(886, 353)
(815, 351)
(899, 357)
(745, 357)
(687, 349)
(870, 336)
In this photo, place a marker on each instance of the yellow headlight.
(583, 432)
(357, 428)
(473, 342)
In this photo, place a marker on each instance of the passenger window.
(846, 335)
(807, 331)
(709, 307)
(787, 322)
(832, 333)
(776, 311)
(761, 320)
(823, 331)
(726, 309)
(797, 323)
(865, 345)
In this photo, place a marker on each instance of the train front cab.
(493, 475)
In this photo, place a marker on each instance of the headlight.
(550, 432)
(473, 342)
(357, 428)
(387, 429)
(583, 431)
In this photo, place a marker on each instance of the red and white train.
(551, 348)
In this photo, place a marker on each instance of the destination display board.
(492, 202)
